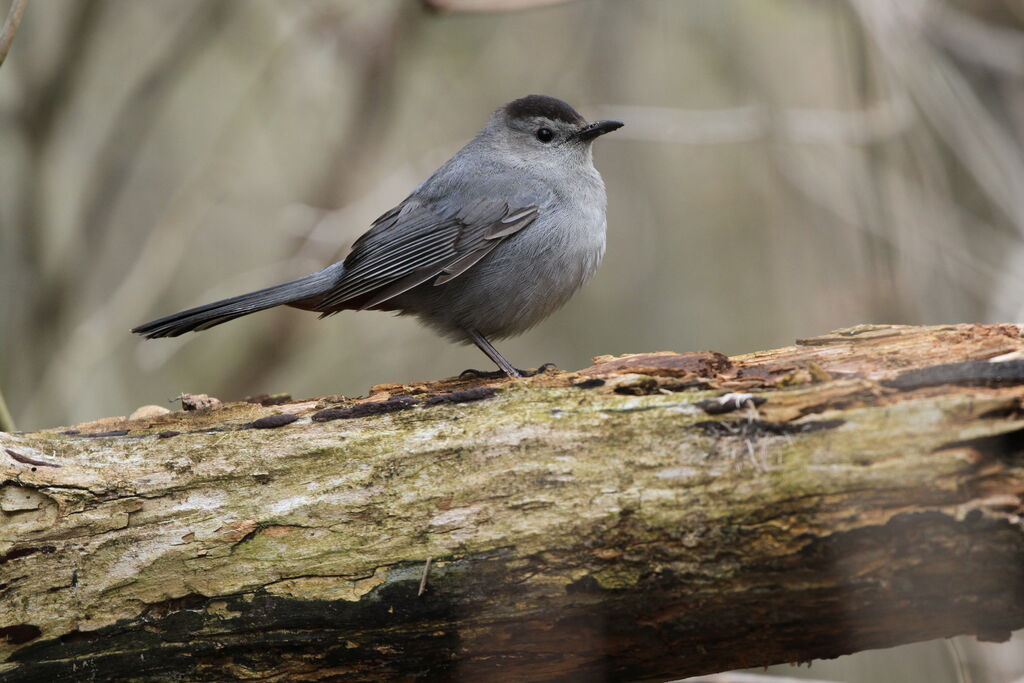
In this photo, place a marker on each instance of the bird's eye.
(545, 135)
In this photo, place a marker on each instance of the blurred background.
(787, 167)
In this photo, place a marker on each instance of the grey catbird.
(488, 246)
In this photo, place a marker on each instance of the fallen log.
(649, 517)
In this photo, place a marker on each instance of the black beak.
(596, 129)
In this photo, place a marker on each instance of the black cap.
(550, 108)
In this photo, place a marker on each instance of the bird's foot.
(473, 373)
(500, 374)
(542, 369)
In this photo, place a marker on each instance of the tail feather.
(208, 315)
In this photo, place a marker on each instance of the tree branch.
(10, 27)
(652, 516)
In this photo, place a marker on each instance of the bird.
(494, 241)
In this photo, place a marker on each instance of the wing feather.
(417, 277)
(453, 270)
(414, 242)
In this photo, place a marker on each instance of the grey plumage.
(490, 244)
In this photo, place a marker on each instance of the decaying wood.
(652, 516)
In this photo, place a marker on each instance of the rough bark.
(863, 490)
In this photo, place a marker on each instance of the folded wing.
(413, 244)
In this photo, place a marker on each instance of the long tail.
(208, 315)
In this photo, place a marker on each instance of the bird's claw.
(542, 369)
(481, 374)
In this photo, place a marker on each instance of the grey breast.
(528, 275)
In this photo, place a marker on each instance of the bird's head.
(539, 127)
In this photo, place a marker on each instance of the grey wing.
(413, 243)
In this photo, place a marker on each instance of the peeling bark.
(652, 516)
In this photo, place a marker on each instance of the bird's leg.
(507, 369)
(492, 353)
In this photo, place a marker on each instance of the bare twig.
(423, 579)
(10, 27)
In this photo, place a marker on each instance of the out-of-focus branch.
(40, 104)
(157, 259)
(995, 47)
(882, 120)
(945, 98)
(139, 112)
(743, 677)
(6, 421)
(378, 70)
(40, 111)
(10, 27)
(487, 5)
(816, 184)
(38, 115)
(119, 153)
